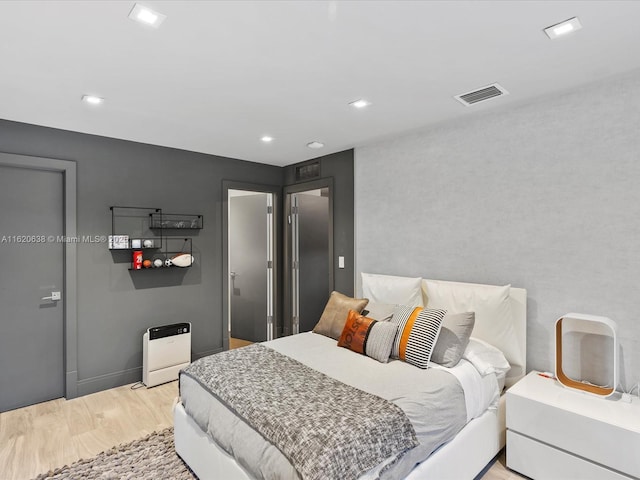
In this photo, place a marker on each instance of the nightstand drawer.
(542, 462)
(551, 418)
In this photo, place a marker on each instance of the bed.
(217, 439)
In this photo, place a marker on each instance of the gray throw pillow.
(380, 341)
(453, 339)
(379, 311)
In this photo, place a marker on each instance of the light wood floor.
(42, 437)
(48, 435)
(499, 471)
(237, 343)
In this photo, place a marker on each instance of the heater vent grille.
(308, 171)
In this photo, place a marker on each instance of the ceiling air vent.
(307, 171)
(482, 94)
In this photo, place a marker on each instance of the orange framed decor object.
(583, 327)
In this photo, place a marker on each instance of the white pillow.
(485, 357)
(492, 307)
(393, 290)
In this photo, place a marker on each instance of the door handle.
(55, 296)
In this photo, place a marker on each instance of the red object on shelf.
(137, 259)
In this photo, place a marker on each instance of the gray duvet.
(432, 400)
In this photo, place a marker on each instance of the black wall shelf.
(175, 247)
(130, 225)
(145, 229)
(177, 221)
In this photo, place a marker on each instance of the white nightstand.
(554, 433)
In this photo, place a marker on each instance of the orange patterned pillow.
(355, 332)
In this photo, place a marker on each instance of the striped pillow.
(418, 330)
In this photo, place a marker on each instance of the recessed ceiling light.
(563, 28)
(360, 103)
(267, 139)
(146, 16)
(315, 144)
(92, 99)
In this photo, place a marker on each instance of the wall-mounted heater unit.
(165, 350)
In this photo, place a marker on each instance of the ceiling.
(218, 75)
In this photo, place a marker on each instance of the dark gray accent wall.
(339, 167)
(115, 306)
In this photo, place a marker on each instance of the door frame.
(70, 261)
(251, 187)
(320, 183)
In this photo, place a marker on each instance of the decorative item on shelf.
(135, 222)
(182, 260)
(137, 259)
(176, 221)
(140, 222)
(577, 332)
(118, 242)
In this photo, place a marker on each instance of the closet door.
(310, 254)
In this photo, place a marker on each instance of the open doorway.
(250, 266)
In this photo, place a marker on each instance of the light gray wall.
(544, 196)
(116, 306)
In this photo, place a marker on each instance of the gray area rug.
(150, 458)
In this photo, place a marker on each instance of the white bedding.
(480, 392)
(479, 440)
(396, 379)
(405, 385)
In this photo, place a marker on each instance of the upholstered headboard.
(511, 339)
(500, 311)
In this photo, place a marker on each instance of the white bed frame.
(480, 440)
